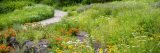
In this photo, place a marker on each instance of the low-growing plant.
(26, 14)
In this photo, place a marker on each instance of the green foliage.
(29, 35)
(148, 1)
(71, 8)
(26, 14)
(9, 6)
(48, 2)
(97, 1)
(22, 0)
(3, 9)
(126, 25)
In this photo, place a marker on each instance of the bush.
(71, 2)
(26, 14)
(12, 5)
(22, 0)
(3, 9)
(48, 2)
(148, 1)
(97, 1)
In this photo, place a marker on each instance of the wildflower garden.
(91, 26)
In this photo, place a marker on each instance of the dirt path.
(57, 17)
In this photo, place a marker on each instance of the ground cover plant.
(26, 14)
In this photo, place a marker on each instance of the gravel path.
(57, 17)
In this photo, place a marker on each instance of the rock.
(81, 35)
(12, 42)
(157, 4)
(43, 46)
(29, 46)
(28, 50)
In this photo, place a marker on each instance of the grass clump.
(26, 14)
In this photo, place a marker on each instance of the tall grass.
(128, 27)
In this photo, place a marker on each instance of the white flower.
(88, 46)
(69, 42)
(45, 45)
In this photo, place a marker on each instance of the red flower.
(71, 31)
(4, 48)
(13, 34)
(75, 30)
(58, 39)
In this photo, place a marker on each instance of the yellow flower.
(82, 46)
(70, 46)
(64, 46)
(100, 50)
(111, 48)
(59, 51)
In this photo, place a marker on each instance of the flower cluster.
(4, 48)
(71, 31)
(10, 32)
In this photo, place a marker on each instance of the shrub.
(12, 5)
(148, 1)
(97, 1)
(3, 9)
(26, 14)
(48, 2)
(72, 2)
(22, 0)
